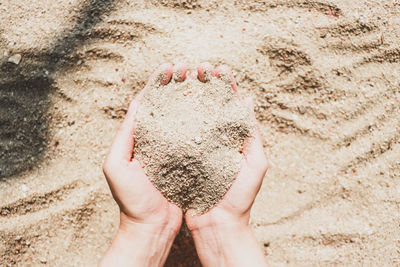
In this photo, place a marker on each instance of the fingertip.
(179, 72)
(224, 73)
(162, 75)
(205, 71)
(165, 73)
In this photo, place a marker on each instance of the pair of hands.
(149, 222)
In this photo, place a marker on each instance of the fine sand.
(325, 79)
(189, 138)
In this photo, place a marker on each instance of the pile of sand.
(189, 138)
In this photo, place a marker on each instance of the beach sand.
(325, 79)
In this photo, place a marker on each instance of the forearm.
(139, 245)
(228, 245)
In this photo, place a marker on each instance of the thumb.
(122, 147)
(249, 102)
(253, 150)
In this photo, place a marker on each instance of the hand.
(148, 222)
(222, 235)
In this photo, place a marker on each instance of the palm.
(236, 204)
(139, 199)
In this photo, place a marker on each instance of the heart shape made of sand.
(189, 138)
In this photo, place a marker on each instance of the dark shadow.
(23, 127)
(25, 91)
(183, 252)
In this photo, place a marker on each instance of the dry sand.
(325, 77)
(189, 138)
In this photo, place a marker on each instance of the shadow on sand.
(25, 91)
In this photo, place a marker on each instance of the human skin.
(222, 236)
(149, 223)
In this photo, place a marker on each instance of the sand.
(189, 137)
(325, 79)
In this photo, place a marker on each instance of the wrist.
(140, 244)
(216, 244)
(219, 234)
(228, 244)
(217, 219)
(163, 228)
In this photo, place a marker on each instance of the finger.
(205, 71)
(246, 186)
(161, 76)
(224, 73)
(253, 149)
(122, 147)
(179, 72)
(248, 182)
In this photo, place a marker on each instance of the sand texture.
(189, 137)
(325, 79)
